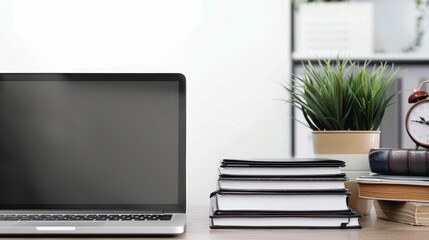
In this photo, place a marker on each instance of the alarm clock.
(417, 119)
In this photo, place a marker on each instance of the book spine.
(399, 162)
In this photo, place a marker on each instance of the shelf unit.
(399, 58)
(414, 69)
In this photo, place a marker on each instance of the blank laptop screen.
(92, 141)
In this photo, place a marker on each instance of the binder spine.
(344, 225)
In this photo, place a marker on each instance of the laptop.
(92, 153)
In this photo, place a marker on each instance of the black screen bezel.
(177, 77)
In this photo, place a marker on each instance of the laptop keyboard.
(88, 217)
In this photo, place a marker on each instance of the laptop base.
(173, 227)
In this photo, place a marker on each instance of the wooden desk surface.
(198, 229)
(372, 228)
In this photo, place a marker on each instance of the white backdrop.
(234, 54)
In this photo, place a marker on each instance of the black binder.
(281, 167)
(346, 219)
(320, 200)
(310, 162)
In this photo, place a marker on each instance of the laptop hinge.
(81, 212)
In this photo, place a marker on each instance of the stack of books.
(400, 185)
(281, 194)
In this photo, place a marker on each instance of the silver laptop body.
(92, 154)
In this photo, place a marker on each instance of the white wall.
(233, 53)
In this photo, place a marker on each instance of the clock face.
(417, 123)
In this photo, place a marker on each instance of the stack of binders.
(281, 194)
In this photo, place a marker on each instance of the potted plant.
(343, 103)
(342, 96)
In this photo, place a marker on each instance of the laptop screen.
(92, 141)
